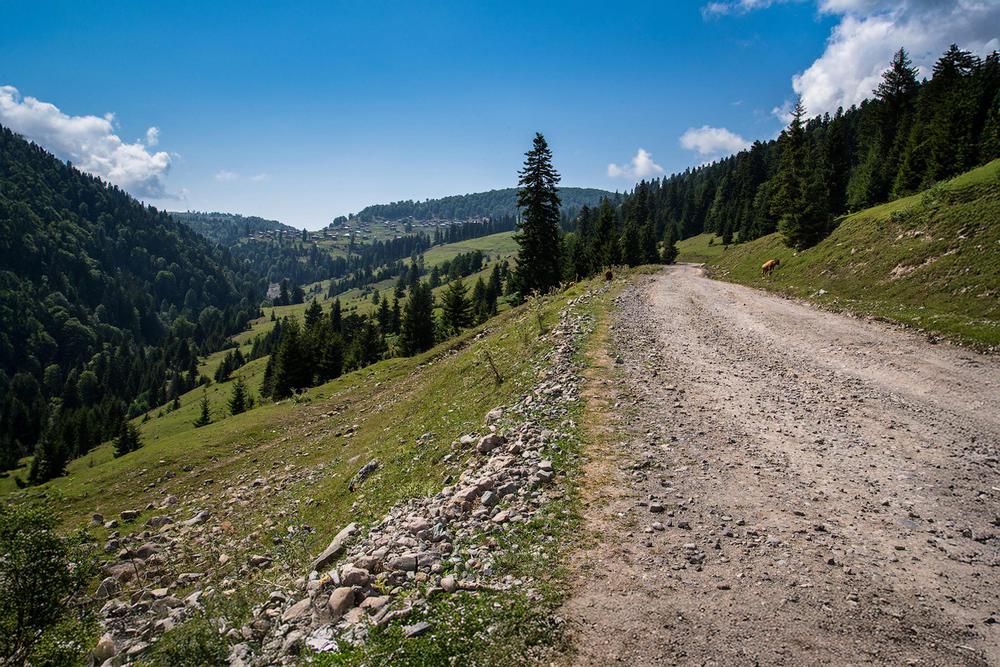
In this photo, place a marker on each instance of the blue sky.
(301, 111)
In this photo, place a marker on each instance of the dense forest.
(227, 229)
(908, 136)
(493, 204)
(105, 305)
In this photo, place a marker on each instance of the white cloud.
(152, 136)
(723, 7)
(784, 112)
(259, 178)
(867, 34)
(89, 142)
(712, 142)
(225, 176)
(641, 166)
(870, 31)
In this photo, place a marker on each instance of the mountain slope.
(931, 260)
(104, 305)
(275, 484)
(494, 203)
(227, 229)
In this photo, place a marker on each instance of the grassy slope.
(446, 392)
(700, 249)
(931, 261)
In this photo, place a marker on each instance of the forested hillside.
(909, 136)
(105, 304)
(492, 204)
(227, 229)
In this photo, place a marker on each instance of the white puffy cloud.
(711, 142)
(152, 136)
(870, 31)
(89, 142)
(867, 34)
(226, 176)
(641, 166)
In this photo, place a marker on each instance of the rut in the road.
(789, 486)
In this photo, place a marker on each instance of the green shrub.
(43, 620)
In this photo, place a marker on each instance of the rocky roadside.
(368, 576)
(438, 545)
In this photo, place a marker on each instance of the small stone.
(293, 643)
(416, 629)
(374, 603)
(300, 609)
(129, 515)
(259, 561)
(406, 563)
(105, 649)
(199, 518)
(341, 600)
(449, 584)
(353, 576)
(490, 442)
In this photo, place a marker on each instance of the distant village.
(343, 228)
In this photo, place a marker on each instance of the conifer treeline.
(909, 136)
(330, 343)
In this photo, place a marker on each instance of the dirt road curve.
(787, 486)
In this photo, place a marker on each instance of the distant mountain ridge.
(493, 203)
(228, 228)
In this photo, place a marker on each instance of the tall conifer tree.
(539, 262)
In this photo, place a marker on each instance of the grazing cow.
(608, 275)
(769, 266)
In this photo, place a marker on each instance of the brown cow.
(769, 266)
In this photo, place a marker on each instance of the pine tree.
(283, 297)
(336, 318)
(669, 254)
(455, 307)
(480, 306)
(330, 364)
(631, 253)
(128, 439)
(605, 244)
(267, 383)
(417, 327)
(292, 369)
(238, 400)
(205, 418)
(539, 263)
(314, 313)
(800, 201)
(647, 244)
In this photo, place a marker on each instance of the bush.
(194, 643)
(42, 576)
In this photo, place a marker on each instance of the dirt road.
(785, 485)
